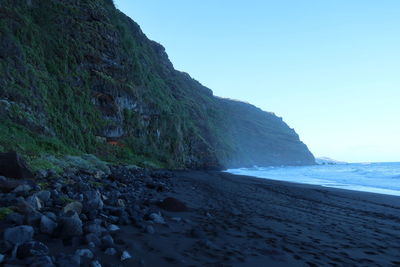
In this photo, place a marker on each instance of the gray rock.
(73, 206)
(113, 228)
(157, 218)
(95, 229)
(35, 202)
(71, 225)
(92, 201)
(19, 234)
(51, 216)
(33, 248)
(87, 253)
(23, 188)
(95, 264)
(24, 207)
(110, 251)
(47, 225)
(107, 241)
(125, 256)
(93, 238)
(1, 258)
(43, 195)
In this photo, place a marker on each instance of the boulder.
(75, 206)
(125, 256)
(113, 228)
(43, 195)
(156, 218)
(33, 218)
(110, 251)
(35, 202)
(13, 166)
(19, 234)
(71, 225)
(47, 225)
(93, 238)
(173, 204)
(107, 241)
(86, 253)
(95, 264)
(92, 201)
(33, 248)
(22, 189)
(8, 185)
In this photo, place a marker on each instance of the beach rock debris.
(78, 213)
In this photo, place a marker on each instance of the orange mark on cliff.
(115, 143)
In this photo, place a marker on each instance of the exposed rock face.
(13, 166)
(71, 71)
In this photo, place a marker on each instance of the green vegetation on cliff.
(80, 77)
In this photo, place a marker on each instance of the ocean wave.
(371, 177)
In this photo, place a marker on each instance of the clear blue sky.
(330, 68)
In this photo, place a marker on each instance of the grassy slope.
(56, 56)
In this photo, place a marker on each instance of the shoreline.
(314, 186)
(339, 176)
(216, 219)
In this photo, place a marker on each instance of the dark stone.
(86, 253)
(92, 202)
(110, 251)
(107, 241)
(19, 234)
(173, 204)
(5, 246)
(41, 261)
(95, 229)
(68, 261)
(33, 248)
(43, 195)
(92, 238)
(47, 225)
(33, 218)
(13, 166)
(24, 207)
(15, 218)
(71, 225)
(8, 185)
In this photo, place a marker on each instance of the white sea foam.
(383, 178)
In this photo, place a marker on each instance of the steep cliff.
(78, 76)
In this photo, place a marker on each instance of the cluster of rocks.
(72, 220)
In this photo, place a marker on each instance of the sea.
(382, 178)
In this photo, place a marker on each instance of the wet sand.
(245, 221)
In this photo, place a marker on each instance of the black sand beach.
(245, 221)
